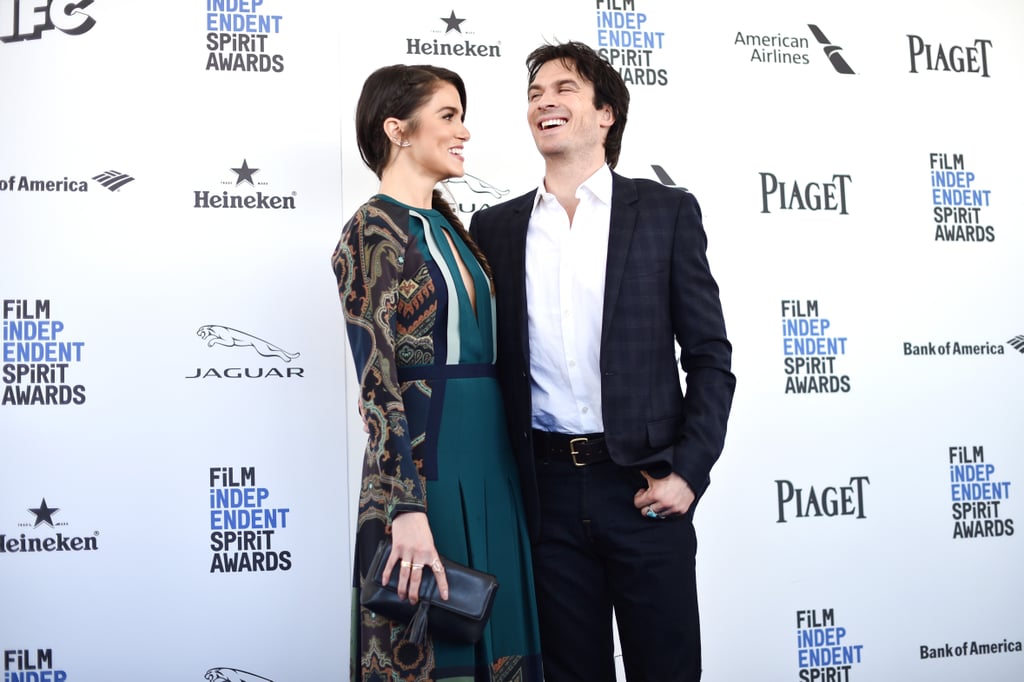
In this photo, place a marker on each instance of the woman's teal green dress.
(437, 439)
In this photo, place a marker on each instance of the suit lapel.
(517, 254)
(620, 236)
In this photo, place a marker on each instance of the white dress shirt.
(565, 273)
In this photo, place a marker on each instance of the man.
(598, 278)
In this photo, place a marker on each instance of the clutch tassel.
(418, 624)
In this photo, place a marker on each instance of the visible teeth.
(551, 123)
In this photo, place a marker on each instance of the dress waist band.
(428, 372)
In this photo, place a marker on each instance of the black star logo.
(244, 173)
(44, 514)
(453, 23)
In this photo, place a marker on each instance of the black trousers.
(596, 552)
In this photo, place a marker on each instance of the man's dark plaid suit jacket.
(659, 291)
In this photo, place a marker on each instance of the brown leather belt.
(581, 450)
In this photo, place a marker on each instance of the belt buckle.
(573, 452)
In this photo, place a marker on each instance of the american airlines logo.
(664, 178)
(831, 51)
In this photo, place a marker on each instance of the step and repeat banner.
(180, 443)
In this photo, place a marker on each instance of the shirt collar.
(598, 185)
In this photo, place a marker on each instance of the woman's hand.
(412, 549)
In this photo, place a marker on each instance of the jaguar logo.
(218, 335)
(233, 675)
(478, 185)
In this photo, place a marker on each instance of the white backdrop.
(204, 380)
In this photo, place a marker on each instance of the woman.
(438, 472)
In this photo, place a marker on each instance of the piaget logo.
(830, 501)
(816, 195)
(926, 56)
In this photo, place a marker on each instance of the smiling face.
(436, 135)
(565, 124)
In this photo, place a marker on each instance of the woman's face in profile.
(436, 146)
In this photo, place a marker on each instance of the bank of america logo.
(113, 180)
(1017, 342)
(831, 51)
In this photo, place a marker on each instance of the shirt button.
(585, 410)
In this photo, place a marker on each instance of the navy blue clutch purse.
(461, 618)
